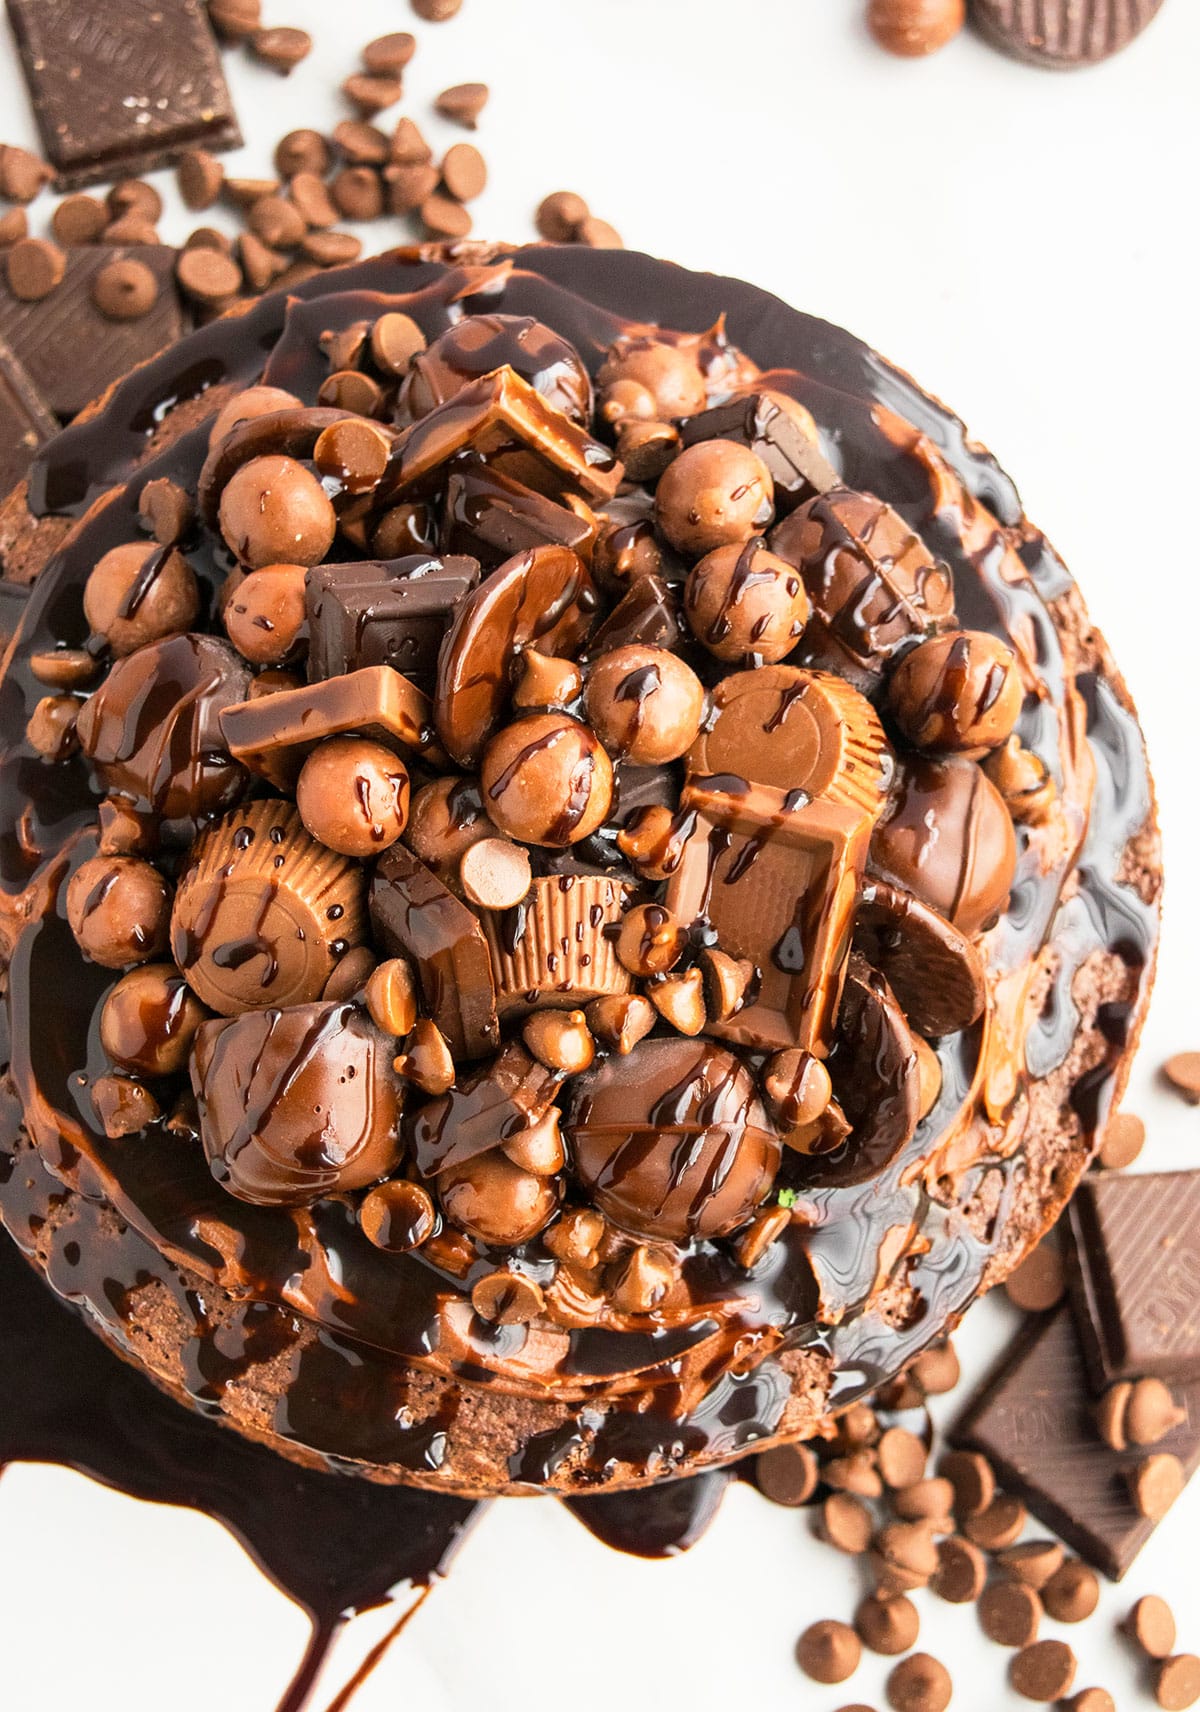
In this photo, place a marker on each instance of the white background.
(1025, 243)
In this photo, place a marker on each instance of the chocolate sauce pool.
(374, 1539)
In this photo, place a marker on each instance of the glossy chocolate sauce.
(355, 1316)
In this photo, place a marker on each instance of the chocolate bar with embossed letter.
(384, 612)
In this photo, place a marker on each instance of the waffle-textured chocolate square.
(1033, 1421)
(384, 612)
(70, 351)
(122, 86)
(1135, 1275)
(25, 421)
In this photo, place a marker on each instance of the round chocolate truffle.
(254, 401)
(275, 512)
(742, 600)
(295, 1104)
(491, 1198)
(947, 836)
(957, 694)
(445, 819)
(153, 728)
(714, 493)
(673, 1141)
(669, 375)
(118, 908)
(139, 592)
(478, 344)
(547, 779)
(149, 1020)
(644, 704)
(265, 615)
(353, 796)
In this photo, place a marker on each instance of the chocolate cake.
(576, 880)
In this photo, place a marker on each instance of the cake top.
(545, 836)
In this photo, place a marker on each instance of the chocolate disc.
(934, 970)
(1062, 33)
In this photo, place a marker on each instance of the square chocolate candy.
(384, 612)
(122, 86)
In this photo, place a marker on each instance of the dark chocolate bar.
(389, 612)
(25, 420)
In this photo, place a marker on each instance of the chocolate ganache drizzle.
(769, 1165)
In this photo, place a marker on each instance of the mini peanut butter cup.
(552, 948)
(265, 913)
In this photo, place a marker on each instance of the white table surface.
(1025, 243)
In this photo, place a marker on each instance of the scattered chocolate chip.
(914, 28)
(125, 1106)
(260, 264)
(930, 1499)
(1124, 1138)
(277, 222)
(560, 215)
(372, 93)
(829, 1652)
(408, 146)
(1090, 1700)
(207, 276)
(245, 192)
(308, 194)
(1000, 1525)
(1183, 1073)
(1043, 1671)
(901, 1456)
(14, 224)
(390, 53)
(599, 234)
(397, 1217)
(846, 1523)
(134, 196)
(919, 1683)
(1155, 1484)
(463, 103)
(234, 20)
(436, 11)
(281, 48)
(1039, 1282)
(1032, 1561)
(332, 249)
(444, 217)
(303, 150)
(50, 729)
(409, 186)
(972, 1479)
(357, 193)
(961, 1574)
(1151, 1626)
(22, 174)
(507, 1298)
(1177, 1682)
(34, 266)
(125, 290)
(464, 172)
(395, 341)
(79, 219)
(904, 1555)
(1010, 1613)
(787, 1474)
(1072, 1592)
(936, 1369)
(130, 229)
(887, 1625)
(1139, 1412)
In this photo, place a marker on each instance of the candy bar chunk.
(798, 467)
(490, 516)
(25, 421)
(1034, 1422)
(1136, 1275)
(512, 1093)
(391, 612)
(414, 915)
(274, 734)
(494, 414)
(786, 787)
(647, 615)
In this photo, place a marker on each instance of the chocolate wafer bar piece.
(387, 612)
(122, 86)
(1033, 1421)
(274, 734)
(70, 351)
(25, 421)
(797, 464)
(1135, 1275)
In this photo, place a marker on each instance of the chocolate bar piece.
(389, 612)
(493, 414)
(25, 422)
(786, 786)
(647, 614)
(1033, 1421)
(122, 86)
(491, 516)
(274, 734)
(1135, 1275)
(798, 467)
(70, 351)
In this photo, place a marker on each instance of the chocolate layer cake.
(576, 879)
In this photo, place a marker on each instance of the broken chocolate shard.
(511, 1093)
(935, 971)
(1033, 1421)
(67, 320)
(121, 86)
(391, 612)
(798, 467)
(26, 423)
(648, 614)
(415, 916)
(1135, 1275)
(490, 516)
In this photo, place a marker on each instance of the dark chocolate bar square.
(491, 517)
(122, 86)
(388, 612)
(70, 351)
(25, 421)
(798, 467)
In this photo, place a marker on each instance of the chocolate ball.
(353, 796)
(275, 512)
(491, 1198)
(946, 836)
(957, 694)
(445, 819)
(265, 614)
(149, 1020)
(477, 344)
(139, 592)
(714, 493)
(644, 704)
(547, 779)
(742, 600)
(623, 552)
(153, 728)
(296, 1104)
(672, 1140)
(118, 908)
(670, 374)
(244, 406)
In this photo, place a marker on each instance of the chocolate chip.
(79, 220)
(260, 264)
(961, 1574)
(495, 874)
(397, 1217)
(50, 729)
(35, 266)
(1137, 1412)
(130, 229)
(302, 150)
(277, 222)
(464, 172)
(332, 249)
(125, 290)
(920, 1683)
(22, 174)
(560, 215)
(307, 192)
(855, 1473)
(1010, 1613)
(599, 235)
(913, 28)
(134, 196)
(887, 1625)
(14, 224)
(124, 1106)
(444, 217)
(463, 103)
(408, 146)
(64, 668)
(436, 11)
(207, 276)
(1043, 1671)
(1072, 1592)
(1183, 1073)
(901, 1456)
(1000, 1525)
(357, 193)
(651, 941)
(166, 509)
(234, 20)
(371, 93)
(924, 1499)
(936, 1369)
(1033, 1561)
(1155, 1484)
(972, 1479)
(904, 1555)
(507, 1298)
(1039, 1282)
(1177, 1682)
(829, 1652)
(354, 453)
(643, 1283)
(846, 1524)
(1091, 1700)
(390, 53)
(245, 192)
(787, 1474)
(620, 1021)
(1151, 1626)
(679, 1000)
(208, 238)
(409, 186)
(395, 341)
(1124, 1138)
(281, 48)
(559, 1039)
